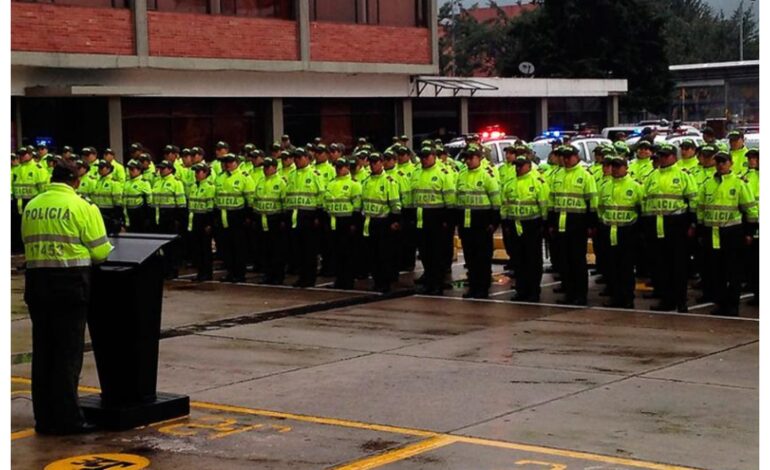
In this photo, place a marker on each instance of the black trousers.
(231, 241)
(200, 244)
(382, 248)
(113, 219)
(326, 246)
(306, 246)
(620, 258)
(58, 307)
(16, 245)
(274, 242)
(572, 245)
(508, 243)
(449, 246)
(345, 237)
(726, 265)
(138, 220)
(706, 275)
(646, 264)
(753, 264)
(477, 248)
(527, 250)
(670, 258)
(601, 247)
(168, 222)
(408, 239)
(431, 243)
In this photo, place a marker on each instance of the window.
(337, 11)
(179, 6)
(83, 3)
(283, 9)
(382, 12)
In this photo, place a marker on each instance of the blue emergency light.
(47, 141)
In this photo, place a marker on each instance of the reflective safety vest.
(342, 198)
(233, 190)
(688, 164)
(506, 171)
(87, 184)
(326, 170)
(620, 203)
(136, 193)
(550, 173)
(640, 169)
(724, 199)
(30, 179)
(668, 191)
(432, 188)
(596, 171)
(269, 198)
(287, 171)
(118, 171)
(168, 193)
(201, 197)
(107, 193)
(573, 190)
(477, 189)
(524, 198)
(62, 230)
(304, 192)
(740, 162)
(407, 169)
(186, 176)
(700, 174)
(360, 174)
(380, 197)
(257, 174)
(149, 174)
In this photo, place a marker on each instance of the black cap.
(343, 162)
(275, 146)
(404, 137)
(82, 164)
(665, 149)
(66, 149)
(300, 152)
(401, 150)
(229, 157)
(108, 151)
(256, 153)
(735, 135)
(285, 137)
(42, 145)
(133, 164)
(426, 152)
(723, 156)
(708, 150)
(145, 156)
(248, 148)
(286, 154)
(687, 143)
(361, 140)
(388, 155)
(165, 164)
(87, 151)
(104, 164)
(321, 148)
(473, 151)
(317, 140)
(270, 161)
(708, 130)
(642, 144)
(202, 166)
(22, 151)
(170, 149)
(375, 157)
(197, 151)
(363, 154)
(752, 153)
(334, 148)
(567, 150)
(222, 145)
(185, 152)
(135, 147)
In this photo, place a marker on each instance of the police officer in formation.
(647, 212)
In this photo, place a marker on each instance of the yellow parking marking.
(550, 465)
(402, 453)
(435, 439)
(22, 434)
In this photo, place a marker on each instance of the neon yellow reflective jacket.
(342, 197)
(432, 188)
(700, 174)
(149, 174)
(477, 189)
(620, 201)
(233, 190)
(688, 164)
(640, 169)
(380, 196)
(525, 197)
(187, 176)
(62, 230)
(573, 190)
(31, 180)
(404, 188)
(407, 169)
(740, 162)
(270, 195)
(304, 190)
(118, 171)
(200, 199)
(136, 193)
(326, 170)
(505, 172)
(669, 191)
(724, 199)
(360, 174)
(168, 193)
(107, 192)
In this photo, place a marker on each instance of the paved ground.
(286, 378)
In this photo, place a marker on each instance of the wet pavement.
(291, 379)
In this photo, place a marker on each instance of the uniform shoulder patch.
(446, 172)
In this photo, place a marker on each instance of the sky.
(728, 6)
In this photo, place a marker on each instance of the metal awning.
(456, 85)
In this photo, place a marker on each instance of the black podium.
(124, 323)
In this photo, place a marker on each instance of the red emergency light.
(492, 133)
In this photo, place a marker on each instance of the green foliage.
(632, 39)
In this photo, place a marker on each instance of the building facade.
(192, 72)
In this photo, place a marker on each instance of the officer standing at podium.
(63, 236)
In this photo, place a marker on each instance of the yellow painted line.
(22, 434)
(569, 454)
(21, 392)
(315, 419)
(401, 453)
(26, 381)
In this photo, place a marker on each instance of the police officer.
(731, 214)
(137, 197)
(118, 170)
(342, 202)
(170, 204)
(738, 152)
(670, 205)
(16, 245)
(524, 209)
(434, 198)
(620, 203)
(381, 201)
(108, 197)
(705, 170)
(63, 235)
(234, 191)
(687, 161)
(148, 168)
(478, 204)
(200, 221)
(221, 149)
(573, 204)
(87, 182)
(269, 206)
(406, 168)
(751, 177)
(641, 168)
(304, 194)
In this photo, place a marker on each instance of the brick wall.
(212, 36)
(336, 42)
(53, 28)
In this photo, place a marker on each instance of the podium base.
(119, 418)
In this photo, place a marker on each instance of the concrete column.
(363, 15)
(18, 123)
(115, 120)
(613, 110)
(541, 116)
(303, 18)
(141, 38)
(408, 127)
(464, 116)
(215, 7)
(277, 119)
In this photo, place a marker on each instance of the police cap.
(708, 150)
(285, 154)
(256, 153)
(752, 153)
(402, 150)
(42, 145)
(145, 156)
(724, 156)
(643, 144)
(66, 149)
(361, 140)
(375, 157)
(82, 164)
(275, 146)
(343, 162)
(165, 164)
(404, 138)
(735, 135)
(270, 161)
(473, 151)
(321, 148)
(133, 164)
(388, 155)
(621, 147)
(665, 149)
(334, 147)
(248, 148)
(687, 143)
(87, 151)
(567, 150)
(197, 151)
(104, 164)
(170, 149)
(708, 131)
(222, 145)
(300, 152)
(22, 151)
(135, 147)
(229, 157)
(108, 151)
(618, 161)
(285, 137)
(202, 166)
(426, 152)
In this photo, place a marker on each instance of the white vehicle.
(751, 140)
(628, 129)
(586, 146)
(497, 155)
(542, 148)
